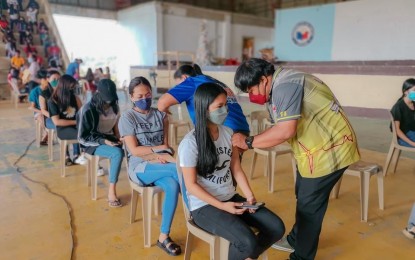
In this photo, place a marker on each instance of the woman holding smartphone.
(209, 161)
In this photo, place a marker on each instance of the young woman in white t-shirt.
(209, 161)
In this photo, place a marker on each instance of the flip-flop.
(173, 249)
(68, 162)
(114, 203)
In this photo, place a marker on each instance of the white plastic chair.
(175, 124)
(364, 170)
(395, 149)
(63, 145)
(147, 193)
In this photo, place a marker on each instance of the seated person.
(63, 106)
(144, 130)
(403, 113)
(35, 107)
(48, 82)
(208, 160)
(98, 132)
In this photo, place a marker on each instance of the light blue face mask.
(219, 115)
(411, 95)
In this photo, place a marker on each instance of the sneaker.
(283, 245)
(409, 233)
(81, 160)
(100, 172)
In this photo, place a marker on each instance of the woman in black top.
(63, 106)
(48, 82)
(403, 113)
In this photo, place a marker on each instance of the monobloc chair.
(257, 117)
(364, 170)
(147, 193)
(91, 172)
(270, 155)
(38, 132)
(395, 149)
(219, 247)
(174, 125)
(63, 145)
(51, 137)
(15, 94)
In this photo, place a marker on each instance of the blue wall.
(292, 29)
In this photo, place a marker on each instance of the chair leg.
(271, 170)
(364, 195)
(146, 210)
(388, 159)
(223, 248)
(251, 172)
(267, 164)
(88, 172)
(63, 157)
(93, 176)
(38, 133)
(134, 201)
(396, 160)
(380, 189)
(215, 249)
(189, 244)
(336, 189)
(50, 144)
(157, 203)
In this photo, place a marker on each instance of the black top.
(402, 113)
(47, 93)
(68, 114)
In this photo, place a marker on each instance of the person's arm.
(240, 176)
(165, 102)
(277, 134)
(32, 106)
(43, 106)
(401, 134)
(62, 122)
(145, 152)
(190, 180)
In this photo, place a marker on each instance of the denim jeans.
(164, 176)
(244, 242)
(411, 221)
(115, 154)
(49, 123)
(410, 135)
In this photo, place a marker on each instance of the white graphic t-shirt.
(219, 184)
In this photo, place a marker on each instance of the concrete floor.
(44, 216)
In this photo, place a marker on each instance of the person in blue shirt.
(188, 79)
(73, 68)
(35, 107)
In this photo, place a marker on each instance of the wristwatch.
(249, 140)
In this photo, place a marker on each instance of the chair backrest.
(135, 184)
(258, 116)
(183, 189)
(14, 85)
(394, 133)
(179, 113)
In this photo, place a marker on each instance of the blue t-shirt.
(184, 92)
(34, 96)
(71, 69)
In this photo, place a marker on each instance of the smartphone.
(168, 151)
(257, 205)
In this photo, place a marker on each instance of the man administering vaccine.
(308, 116)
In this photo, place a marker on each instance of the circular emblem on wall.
(302, 33)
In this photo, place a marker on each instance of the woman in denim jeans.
(98, 132)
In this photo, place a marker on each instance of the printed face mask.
(257, 99)
(54, 83)
(411, 95)
(143, 104)
(219, 115)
